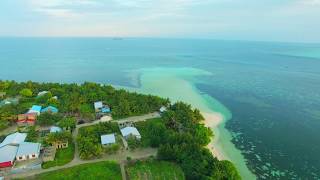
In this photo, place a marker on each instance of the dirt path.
(119, 157)
(123, 171)
(138, 118)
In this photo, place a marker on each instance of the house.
(50, 109)
(130, 132)
(14, 139)
(60, 144)
(35, 109)
(55, 129)
(7, 155)
(108, 139)
(14, 148)
(101, 108)
(162, 109)
(28, 119)
(28, 150)
(42, 93)
(98, 105)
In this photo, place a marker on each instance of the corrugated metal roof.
(42, 93)
(35, 109)
(106, 109)
(163, 109)
(51, 109)
(8, 153)
(27, 148)
(15, 138)
(98, 105)
(108, 139)
(130, 130)
(55, 129)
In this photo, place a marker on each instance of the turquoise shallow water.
(270, 89)
(181, 87)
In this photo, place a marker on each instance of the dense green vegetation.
(7, 116)
(101, 170)
(64, 136)
(152, 132)
(68, 123)
(89, 142)
(160, 170)
(182, 138)
(47, 119)
(179, 135)
(32, 134)
(74, 100)
(63, 156)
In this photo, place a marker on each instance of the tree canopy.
(181, 137)
(78, 99)
(26, 92)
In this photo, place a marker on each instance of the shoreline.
(213, 120)
(182, 88)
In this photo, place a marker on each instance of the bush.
(26, 92)
(133, 143)
(113, 148)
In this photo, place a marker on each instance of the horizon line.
(160, 37)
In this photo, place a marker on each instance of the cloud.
(75, 8)
(61, 8)
(310, 2)
(242, 19)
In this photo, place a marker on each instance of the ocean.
(268, 92)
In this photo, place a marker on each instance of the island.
(95, 131)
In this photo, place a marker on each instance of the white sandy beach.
(212, 120)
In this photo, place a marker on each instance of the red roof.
(30, 117)
(6, 164)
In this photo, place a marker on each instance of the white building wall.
(35, 157)
(26, 157)
(21, 158)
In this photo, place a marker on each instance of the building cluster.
(126, 132)
(14, 148)
(30, 117)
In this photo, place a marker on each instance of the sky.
(261, 20)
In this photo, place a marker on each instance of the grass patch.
(155, 170)
(101, 170)
(63, 156)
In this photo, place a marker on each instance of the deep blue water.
(272, 89)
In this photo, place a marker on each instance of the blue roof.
(130, 131)
(15, 138)
(55, 129)
(108, 139)
(51, 109)
(8, 153)
(105, 110)
(26, 148)
(98, 105)
(36, 108)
